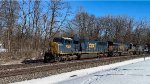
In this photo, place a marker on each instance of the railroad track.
(34, 65)
(22, 69)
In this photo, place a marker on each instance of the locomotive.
(63, 48)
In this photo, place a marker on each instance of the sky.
(135, 9)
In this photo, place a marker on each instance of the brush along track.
(58, 66)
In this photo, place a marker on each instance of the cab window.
(68, 41)
(58, 40)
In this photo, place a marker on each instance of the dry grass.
(17, 55)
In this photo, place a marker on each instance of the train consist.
(65, 48)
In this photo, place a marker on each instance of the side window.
(130, 46)
(68, 41)
(75, 42)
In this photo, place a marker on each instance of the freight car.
(147, 48)
(63, 48)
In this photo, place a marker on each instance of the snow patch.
(12, 62)
(78, 73)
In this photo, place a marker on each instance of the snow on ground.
(10, 62)
(109, 74)
(135, 73)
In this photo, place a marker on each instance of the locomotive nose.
(54, 47)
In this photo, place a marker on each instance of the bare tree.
(59, 11)
(106, 26)
(10, 9)
(86, 25)
(36, 23)
(140, 32)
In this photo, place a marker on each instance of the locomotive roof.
(67, 38)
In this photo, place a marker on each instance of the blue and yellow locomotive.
(63, 48)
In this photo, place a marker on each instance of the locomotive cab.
(60, 46)
(65, 45)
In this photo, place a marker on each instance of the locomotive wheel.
(69, 59)
(78, 57)
(57, 58)
(130, 53)
(110, 54)
(120, 54)
(46, 57)
(49, 57)
(134, 52)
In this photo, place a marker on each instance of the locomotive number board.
(91, 45)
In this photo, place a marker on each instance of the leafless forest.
(27, 26)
